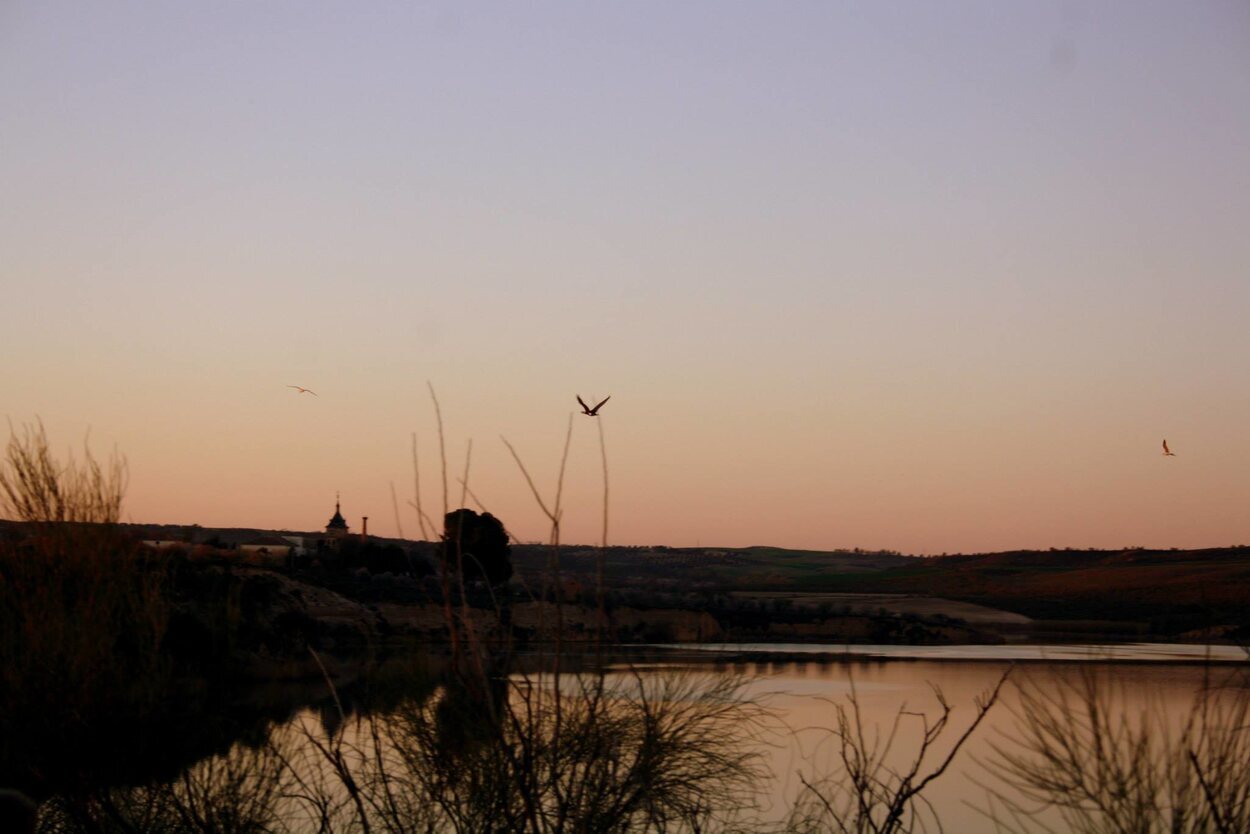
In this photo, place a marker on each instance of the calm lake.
(800, 688)
(1142, 679)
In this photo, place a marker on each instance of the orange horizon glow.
(919, 278)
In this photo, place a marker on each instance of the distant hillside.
(1171, 588)
(693, 567)
(1162, 591)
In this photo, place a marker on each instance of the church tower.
(338, 525)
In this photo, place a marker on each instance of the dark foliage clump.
(480, 543)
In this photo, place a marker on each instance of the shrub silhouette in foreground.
(1103, 768)
(875, 792)
(82, 612)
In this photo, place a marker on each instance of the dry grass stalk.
(35, 488)
(869, 795)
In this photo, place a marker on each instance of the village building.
(268, 550)
(299, 545)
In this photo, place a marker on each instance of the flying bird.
(303, 390)
(593, 412)
(1166, 451)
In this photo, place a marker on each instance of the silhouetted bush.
(82, 607)
(480, 543)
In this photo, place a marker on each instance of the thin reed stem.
(399, 525)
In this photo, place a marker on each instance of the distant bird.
(593, 412)
(1168, 452)
(303, 390)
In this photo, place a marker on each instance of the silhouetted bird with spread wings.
(303, 390)
(593, 412)
(1168, 452)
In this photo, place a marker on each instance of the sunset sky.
(922, 276)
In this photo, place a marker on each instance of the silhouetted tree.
(482, 542)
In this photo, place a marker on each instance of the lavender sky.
(922, 276)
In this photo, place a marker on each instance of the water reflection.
(586, 751)
(1158, 701)
(731, 745)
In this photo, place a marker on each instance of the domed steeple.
(337, 525)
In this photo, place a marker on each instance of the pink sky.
(928, 277)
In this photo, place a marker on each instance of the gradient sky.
(922, 276)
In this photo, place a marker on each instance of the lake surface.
(804, 695)
(800, 687)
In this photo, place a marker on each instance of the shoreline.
(1140, 653)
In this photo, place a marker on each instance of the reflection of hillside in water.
(196, 720)
(407, 749)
